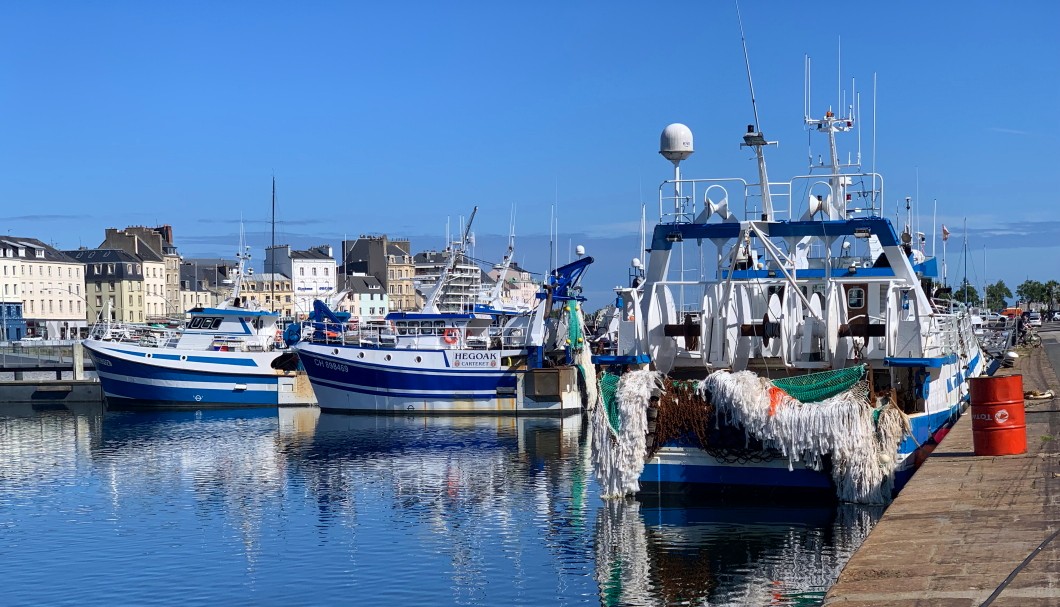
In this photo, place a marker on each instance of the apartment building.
(390, 261)
(272, 292)
(114, 284)
(518, 286)
(366, 300)
(463, 285)
(313, 273)
(160, 264)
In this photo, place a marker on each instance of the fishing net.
(815, 387)
(861, 439)
(681, 417)
(619, 430)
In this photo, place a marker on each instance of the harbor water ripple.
(299, 507)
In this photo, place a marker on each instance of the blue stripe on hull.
(734, 476)
(121, 379)
(175, 395)
(376, 380)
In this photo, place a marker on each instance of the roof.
(363, 284)
(311, 254)
(32, 244)
(121, 260)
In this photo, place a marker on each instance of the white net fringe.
(863, 453)
(618, 456)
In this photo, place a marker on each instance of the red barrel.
(998, 423)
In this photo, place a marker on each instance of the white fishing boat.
(228, 356)
(478, 360)
(814, 356)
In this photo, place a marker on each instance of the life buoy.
(450, 335)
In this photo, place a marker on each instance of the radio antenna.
(747, 64)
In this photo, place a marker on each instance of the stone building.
(390, 262)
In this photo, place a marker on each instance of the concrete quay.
(973, 530)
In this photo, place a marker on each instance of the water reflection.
(462, 510)
(652, 552)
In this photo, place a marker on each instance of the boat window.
(196, 322)
(439, 323)
(401, 328)
(426, 330)
(855, 298)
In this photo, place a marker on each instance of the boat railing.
(680, 200)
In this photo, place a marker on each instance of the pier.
(41, 361)
(972, 530)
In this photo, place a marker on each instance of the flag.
(945, 233)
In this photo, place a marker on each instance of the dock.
(973, 530)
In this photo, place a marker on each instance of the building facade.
(313, 274)
(462, 287)
(114, 284)
(52, 287)
(366, 299)
(160, 265)
(272, 292)
(12, 323)
(518, 288)
(390, 261)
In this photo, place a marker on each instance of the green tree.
(967, 293)
(996, 294)
(1032, 291)
(1052, 293)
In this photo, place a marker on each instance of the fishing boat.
(480, 359)
(231, 355)
(809, 357)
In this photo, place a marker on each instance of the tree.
(1052, 292)
(996, 294)
(1032, 291)
(967, 293)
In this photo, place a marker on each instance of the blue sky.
(396, 117)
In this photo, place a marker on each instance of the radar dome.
(676, 142)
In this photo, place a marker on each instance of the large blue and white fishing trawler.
(480, 359)
(227, 356)
(809, 355)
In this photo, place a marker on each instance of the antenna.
(747, 65)
(874, 140)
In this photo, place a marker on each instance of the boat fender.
(450, 335)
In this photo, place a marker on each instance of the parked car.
(1034, 319)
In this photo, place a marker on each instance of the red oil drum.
(998, 422)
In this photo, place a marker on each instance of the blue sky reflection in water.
(309, 508)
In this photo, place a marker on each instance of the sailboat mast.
(272, 268)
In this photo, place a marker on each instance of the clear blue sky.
(394, 117)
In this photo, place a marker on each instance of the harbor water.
(299, 507)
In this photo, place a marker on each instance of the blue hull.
(131, 384)
(669, 473)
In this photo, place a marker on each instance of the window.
(314, 271)
(99, 301)
(112, 285)
(327, 271)
(301, 271)
(855, 298)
